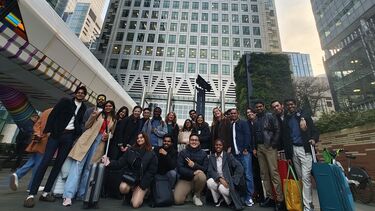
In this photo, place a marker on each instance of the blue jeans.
(63, 143)
(31, 164)
(79, 173)
(245, 160)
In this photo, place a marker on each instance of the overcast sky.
(298, 30)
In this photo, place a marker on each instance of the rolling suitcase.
(333, 189)
(94, 184)
(162, 191)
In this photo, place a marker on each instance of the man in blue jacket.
(63, 126)
(241, 149)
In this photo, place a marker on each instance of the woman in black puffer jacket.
(140, 161)
(192, 166)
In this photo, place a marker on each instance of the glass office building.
(300, 64)
(162, 44)
(347, 34)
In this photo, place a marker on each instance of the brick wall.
(358, 141)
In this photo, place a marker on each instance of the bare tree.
(309, 90)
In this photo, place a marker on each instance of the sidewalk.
(13, 201)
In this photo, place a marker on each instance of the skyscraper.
(162, 44)
(347, 35)
(300, 64)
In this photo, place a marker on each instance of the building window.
(214, 69)
(140, 37)
(182, 39)
(244, 7)
(215, 17)
(122, 24)
(204, 5)
(156, 4)
(194, 28)
(193, 40)
(143, 25)
(150, 38)
(225, 69)
(257, 43)
(149, 50)
(194, 16)
(246, 30)
(127, 49)
(203, 53)
(195, 6)
(224, 6)
(161, 38)
(159, 51)
(224, 17)
(170, 51)
(236, 42)
(225, 41)
(119, 36)
(255, 19)
(185, 16)
(247, 42)
(130, 37)
(116, 49)
(225, 55)
(215, 6)
(172, 39)
(235, 30)
(173, 27)
(204, 17)
(125, 13)
(155, 15)
(174, 15)
(166, 4)
(135, 65)
(214, 54)
(254, 8)
(145, 14)
(235, 18)
(176, 5)
(256, 31)
(164, 15)
(133, 25)
(245, 19)
(234, 7)
(181, 52)
(180, 67)
(163, 26)
(128, 3)
(204, 28)
(202, 68)
(192, 53)
(157, 66)
(124, 64)
(225, 29)
(191, 68)
(214, 41)
(135, 13)
(183, 27)
(185, 5)
(137, 3)
(113, 63)
(146, 65)
(168, 67)
(214, 29)
(153, 26)
(204, 40)
(236, 55)
(138, 50)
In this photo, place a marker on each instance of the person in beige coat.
(88, 148)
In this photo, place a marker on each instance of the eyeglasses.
(101, 98)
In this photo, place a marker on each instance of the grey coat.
(232, 172)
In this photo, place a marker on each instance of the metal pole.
(143, 98)
(222, 100)
(195, 98)
(169, 100)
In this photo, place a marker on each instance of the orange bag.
(292, 192)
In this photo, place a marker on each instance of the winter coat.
(267, 130)
(145, 168)
(222, 130)
(84, 142)
(166, 162)
(204, 134)
(39, 126)
(198, 156)
(233, 173)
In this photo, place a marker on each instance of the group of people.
(233, 158)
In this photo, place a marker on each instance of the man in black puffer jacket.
(192, 164)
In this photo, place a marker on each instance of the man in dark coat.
(225, 174)
(64, 126)
(297, 141)
(167, 159)
(100, 101)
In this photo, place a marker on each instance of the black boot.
(268, 202)
(280, 206)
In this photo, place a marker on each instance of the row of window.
(169, 66)
(193, 16)
(194, 5)
(191, 40)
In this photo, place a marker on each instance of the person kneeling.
(140, 166)
(192, 164)
(225, 174)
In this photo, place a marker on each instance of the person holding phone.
(192, 164)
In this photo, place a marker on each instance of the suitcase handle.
(108, 141)
(313, 153)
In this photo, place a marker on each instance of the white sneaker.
(249, 202)
(41, 188)
(13, 182)
(197, 201)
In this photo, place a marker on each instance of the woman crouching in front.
(140, 166)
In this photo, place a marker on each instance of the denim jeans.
(79, 173)
(64, 143)
(245, 160)
(31, 164)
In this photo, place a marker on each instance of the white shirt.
(234, 139)
(70, 125)
(219, 164)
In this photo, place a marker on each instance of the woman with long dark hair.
(88, 148)
(221, 128)
(202, 129)
(139, 165)
(122, 113)
(172, 126)
(183, 136)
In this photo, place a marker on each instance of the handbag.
(292, 192)
(130, 177)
